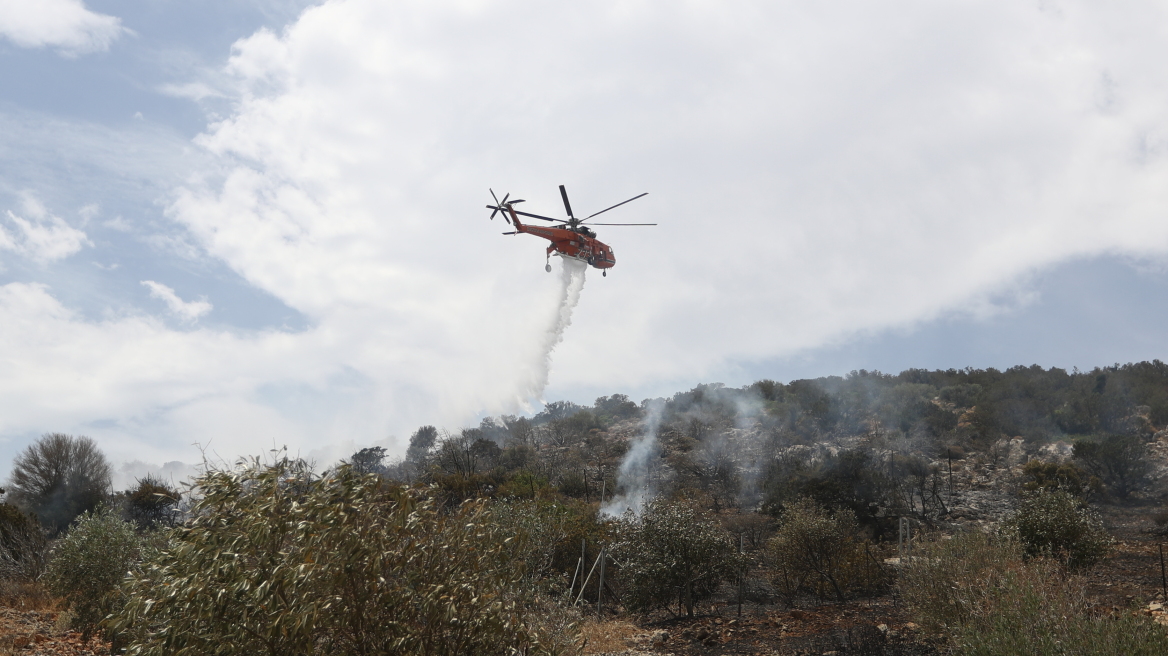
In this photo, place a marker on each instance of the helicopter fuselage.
(575, 244)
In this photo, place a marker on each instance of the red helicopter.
(570, 239)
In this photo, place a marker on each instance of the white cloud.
(44, 238)
(817, 170)
(63, 24)
(187, 310)
(195, 91)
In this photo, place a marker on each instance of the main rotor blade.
(614, 207)
(534, 216)
(622, 224)
(567, 206)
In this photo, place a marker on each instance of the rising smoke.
(571, 284)
(634, 482)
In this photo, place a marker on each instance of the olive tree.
(670, 552)
(1056, 524)
(276, 560)
(87, 566)
(58, 477)
(817, 550)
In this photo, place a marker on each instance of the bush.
(1120, 461)
(1060, 476)
(547, 536)
(152, 503)
(1054, 524)
(278, 561)
(23, 545)
(87, 566)
(978, 590)
(58, 477)
(671, 553)
(819, 552)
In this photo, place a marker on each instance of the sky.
(227, 227)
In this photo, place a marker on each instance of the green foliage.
(1060, 476)
(816, 551)
(1055, 524)
(547, 535)
(1120, 461)
(616, 408)
(278, 561)
(23, 546)
(945, 582)
(672, 553)
(87, 566)
(420, 443)
(979, 591)
(848, 480)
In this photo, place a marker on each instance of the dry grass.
(25, 596)
(607, 637)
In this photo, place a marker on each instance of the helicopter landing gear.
(604, 274)
(548, 267)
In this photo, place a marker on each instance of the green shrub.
(278, 561)
(1060, 476)
(983, 594)
(547, 535)
(87, 566)
(944, 583)
(672, 553)
(815, 551)
(1055, 524)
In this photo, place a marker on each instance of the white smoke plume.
(571, 284)
(634, 481)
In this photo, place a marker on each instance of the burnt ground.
(1129, 577)
(36, 633)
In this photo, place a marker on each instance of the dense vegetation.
(490, 539)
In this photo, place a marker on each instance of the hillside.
(776, 518)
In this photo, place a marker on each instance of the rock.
(797, 614)
(883, 628)
(660, 638)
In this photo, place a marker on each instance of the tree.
(368, 460)
(813, 549)
(1120, 461)
(88, 565)
(672, 553)
(1055, 524)
(152, 502)
(420, 444)
(276, 560)
(58, 477)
